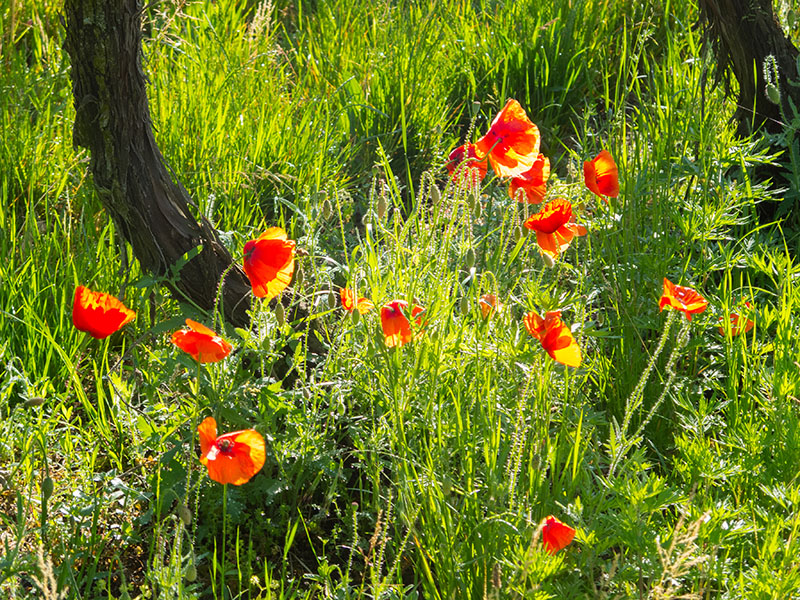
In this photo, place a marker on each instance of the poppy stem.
(224, 537)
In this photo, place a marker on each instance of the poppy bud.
(381, 207)
(517, 233)
(463, 306)
(280, 314)
(333, 299)
(185, 514)
(477, 210)
(469, 259)
(191, 573)
(773, 93)
(475, 107)
(548, 260)
(436, 195)
(355, 316)
(327, 209)
(298, 279)
(34, 401)
(47, 488)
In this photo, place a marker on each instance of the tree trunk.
(744, 33)
(112, 119)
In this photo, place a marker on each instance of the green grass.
(423, 472)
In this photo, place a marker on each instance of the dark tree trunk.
(744, 33)
(112, 119)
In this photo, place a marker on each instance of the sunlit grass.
(423, 471)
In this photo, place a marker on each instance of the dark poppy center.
(226, 446)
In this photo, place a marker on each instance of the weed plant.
(422, 471)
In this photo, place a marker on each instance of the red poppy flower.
(681, 298)
(532, 182)
(556, 535)
(736, 328)
(395, 324)
(465, 163)
(233, 457)
(556, 338)
(349, 302)
(269, 263)
(554, 226)
(489, 304)
(99, 314)
(204, 345)
(512, 141)
(601, 175)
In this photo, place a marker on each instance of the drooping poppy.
(532, 182)
(601, 175)
(736, 327)
(395, 324)
(681, 298)
(233, 457)
(556, 535)
(556, 338)
(489, 305)
(350, 303)
(466, 164)
(99, 314)
(554, 226)
(269, 263)
(202, 343)
(512, 142)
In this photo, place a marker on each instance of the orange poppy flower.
(203, 344)
(556, 338)
(512, 141)
(395, 324)
(233, 457)
(349, 302)
(554, 226)
(489, 304)
(99, 314)
(556, 535)
(682, 298)
(601, 175)
(736, 328)
(532, 182)
(465, 163)
(269, 263)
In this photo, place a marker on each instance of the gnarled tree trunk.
(744, 33)
(149, 208)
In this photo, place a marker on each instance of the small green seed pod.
(355, 317)
(517, 233)
(333, 299)
(327, 209)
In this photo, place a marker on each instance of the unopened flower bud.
(548, 260)
(463, 306)
(773, 93)
(185, 514)
(355, 317)
(517, 233)
(280, 314)
(191, 573)
(298, 279)
(436, 195)
(381, 207)
(333, 299)
(34, 401)
(469, 259)
(327, 209)
(47, 487)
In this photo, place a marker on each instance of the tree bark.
(150, 209)
(744, 33)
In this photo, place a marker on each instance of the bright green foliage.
(422, 471)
